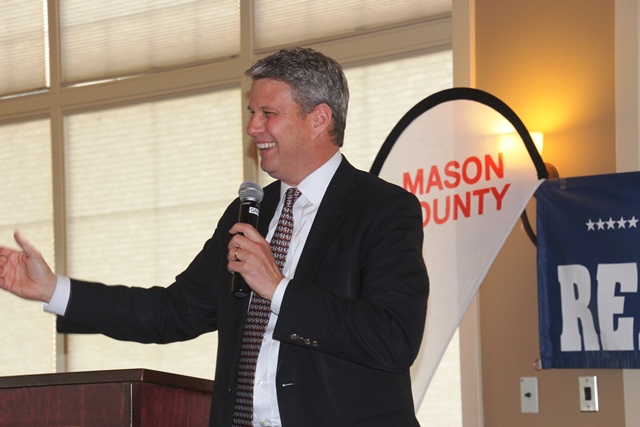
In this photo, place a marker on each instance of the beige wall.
(552, 61)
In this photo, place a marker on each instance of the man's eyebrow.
(259, 108)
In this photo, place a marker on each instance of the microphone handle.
(249, 211)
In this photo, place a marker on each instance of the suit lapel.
(335, 204)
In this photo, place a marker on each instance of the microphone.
(251, 195)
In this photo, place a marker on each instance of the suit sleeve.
(367, 302)
(181, 311)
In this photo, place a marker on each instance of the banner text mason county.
(474, 171)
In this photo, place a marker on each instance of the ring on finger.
(235, 255)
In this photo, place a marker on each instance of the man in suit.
(346, 312)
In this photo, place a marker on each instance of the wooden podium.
(132, 397)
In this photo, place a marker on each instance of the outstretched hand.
(25, 273)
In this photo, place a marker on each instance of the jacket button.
(307, 341)
(314, 343)
(294, 337)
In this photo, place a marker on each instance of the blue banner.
(588, 253)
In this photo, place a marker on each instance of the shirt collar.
(315, 185)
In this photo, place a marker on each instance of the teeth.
(265, 145)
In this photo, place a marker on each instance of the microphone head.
(250, 191)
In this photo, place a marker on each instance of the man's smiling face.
(283, 134)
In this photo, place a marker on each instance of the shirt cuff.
(278, 295)
(60, 297)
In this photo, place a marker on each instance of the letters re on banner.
(588, 254)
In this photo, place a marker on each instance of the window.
(26, 205)
(103, 39)
(23, 50)
(146, 184)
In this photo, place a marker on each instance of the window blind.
(22, 46)
(147, 184)
(27, 334)
(291, 22)
(108, 38)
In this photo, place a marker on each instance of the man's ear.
(321, 117)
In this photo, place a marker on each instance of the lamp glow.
(538, 139)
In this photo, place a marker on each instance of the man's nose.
(255, 126)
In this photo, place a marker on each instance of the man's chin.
(265, 168)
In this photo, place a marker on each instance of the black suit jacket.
(350, 324)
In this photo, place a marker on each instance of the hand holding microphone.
(251, 195)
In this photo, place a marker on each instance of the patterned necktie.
(258, 317)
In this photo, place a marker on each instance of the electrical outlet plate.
(588, 394)
(529, 395)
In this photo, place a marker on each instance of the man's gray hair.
(314, 79)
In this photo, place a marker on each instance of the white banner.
(468, 159)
